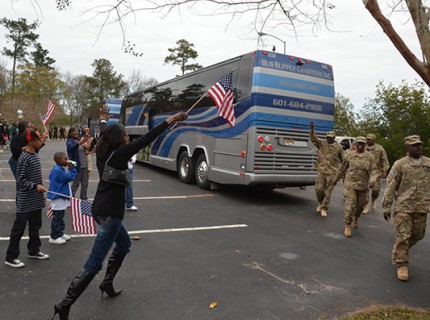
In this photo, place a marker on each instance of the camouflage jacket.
(408, 183)
(330, 155)
(380, 156)
(359, 170)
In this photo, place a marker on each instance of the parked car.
(346, 142)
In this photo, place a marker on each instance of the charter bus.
(276, 96)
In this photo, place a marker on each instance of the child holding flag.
(29, 202)
(59, 193)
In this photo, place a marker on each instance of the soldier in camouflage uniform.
(329, 159)
(360, 173)
(408, 184)
(345, 154)
(382, 165)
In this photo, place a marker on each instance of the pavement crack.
(304, 287)
(257, 266)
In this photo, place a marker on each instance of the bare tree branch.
(421, 67)
(291, 15)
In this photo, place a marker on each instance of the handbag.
(112, 175)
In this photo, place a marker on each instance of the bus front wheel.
(186, 168)
(202, 173)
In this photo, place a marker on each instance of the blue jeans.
(110, 230)
(57, 224)
(129, 191)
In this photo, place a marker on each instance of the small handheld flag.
(50, 212)
(82, 218)
(51, 109)
(222, 94)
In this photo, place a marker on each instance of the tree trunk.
(422, 68)
(13, 70)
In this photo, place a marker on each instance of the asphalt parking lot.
(258, 254)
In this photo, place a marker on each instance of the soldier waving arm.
(313, 137)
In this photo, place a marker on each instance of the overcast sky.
(361, 55)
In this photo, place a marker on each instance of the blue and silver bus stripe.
(163, 149)
(135, 113)
(264, 115)
(289, 84)
(292, 75)
(210, 112)
(293, 94)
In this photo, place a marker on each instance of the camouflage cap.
(371, 136)
(331, 134)
(411, 140)
(360, 139)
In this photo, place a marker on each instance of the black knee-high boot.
(78, 285)
(113, 266)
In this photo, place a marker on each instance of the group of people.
(7, 132)
(107, 208)
(361, 168)
(56, 133)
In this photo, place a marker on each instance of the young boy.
(59, 180)
(29, 202)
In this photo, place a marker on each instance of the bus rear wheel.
(186, 168)
(202, 173)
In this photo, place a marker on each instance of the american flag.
(222, 94)
(82, 218)
(51, 108)
(50, 212)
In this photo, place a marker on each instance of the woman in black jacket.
(108, 210)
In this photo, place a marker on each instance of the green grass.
(390, 313)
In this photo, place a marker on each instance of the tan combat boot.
(403, 273)
(323, 213)
(355, 223)
(347, 231)
(373, 204)
(365, 210)
(319, 208)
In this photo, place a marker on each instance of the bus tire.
(186, 168)
(202, 173)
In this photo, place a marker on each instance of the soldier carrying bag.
(112, 175)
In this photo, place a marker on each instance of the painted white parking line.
(229, 226)
(148, 198)
(176, 197)
(134, 180)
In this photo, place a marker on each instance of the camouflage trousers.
(324, 188)
(409, 229)
(355, 200)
